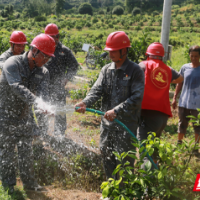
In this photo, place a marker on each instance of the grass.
(87, 73)
(19, 194)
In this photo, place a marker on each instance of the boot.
(35, 187)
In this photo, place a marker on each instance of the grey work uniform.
(121, 89)
(18, 87)
(61, 67)
(4, 56)
(152, 120)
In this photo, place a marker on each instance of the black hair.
(195, 48)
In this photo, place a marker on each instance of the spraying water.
(49, 109)
(58, 142)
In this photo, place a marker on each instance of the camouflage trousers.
(113, 140)
(8, 143)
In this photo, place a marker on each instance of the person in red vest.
(156, 105)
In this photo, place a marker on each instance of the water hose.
(125, 127)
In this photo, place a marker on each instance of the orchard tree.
(85, 8)
(59, 6)
(130, 4)
(118, 10)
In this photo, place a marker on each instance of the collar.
(123, 67)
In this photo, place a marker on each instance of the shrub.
(155, 12)
(94, 20)
(101, 12)
(22, 26)
(137, 28)
(78, 27)
(110, 25)
(85, 8)
(118, 10)
(88, 24)
(54, 16)
(136, 11)
(173, 180)
(40, 18)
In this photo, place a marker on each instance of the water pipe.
(125, 127)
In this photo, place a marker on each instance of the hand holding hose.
(82, 108)
(110, 115)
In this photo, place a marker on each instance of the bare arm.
(177, 91)
(178, 80)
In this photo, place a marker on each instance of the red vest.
(157, 82)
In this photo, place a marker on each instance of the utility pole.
(166, 26)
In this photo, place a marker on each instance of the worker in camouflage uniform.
(17, 45)
(21, 80)
(62, 68)
(121, 86)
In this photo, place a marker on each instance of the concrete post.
(166, 26)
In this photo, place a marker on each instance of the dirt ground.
(59, 194)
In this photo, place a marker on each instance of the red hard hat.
(116, 41)
(18, 37)
(156, 49)
(51, 29)
(44, 43)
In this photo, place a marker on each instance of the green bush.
(78, 27)
(118, 10)
(137, 28)
(136, 11)
(101, 12)
(110, 25)
(88, 24)
(40, 18)
(85, 8)
(173, 180)
(22, 26)
(94, 20)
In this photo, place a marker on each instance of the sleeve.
(175, 74)
(3, 58)
(71, 65)
(96, 91)
(137, 89)
(182, 70)
(142, 66)
(11, 70)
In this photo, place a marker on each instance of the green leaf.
(123, 155)
(121, 172)
(141, 149)
(128, 169)
(151, 151)
(143, 155)
(192, 120)
(142, 182)
(117, 155)
(118, 166)
(116, 170)
(127, 163)
(104, 184)
(119, 181)
(160, 175)
(191, 116)
(136, 145)
(106, 191)
(133, 156)
(148, 166)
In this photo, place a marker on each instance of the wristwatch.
(115, 112)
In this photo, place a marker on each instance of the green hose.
(125, 127)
